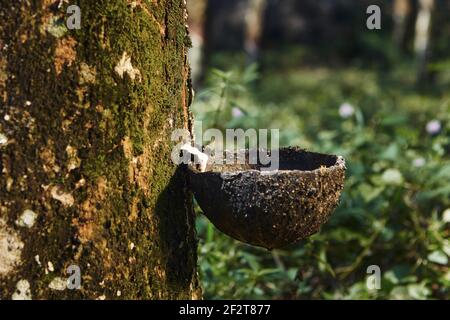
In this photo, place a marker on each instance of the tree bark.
(86, 177)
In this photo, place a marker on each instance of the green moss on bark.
(131, 225)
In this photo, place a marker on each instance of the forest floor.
(395, 209)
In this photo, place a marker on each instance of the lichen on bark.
(88, 149)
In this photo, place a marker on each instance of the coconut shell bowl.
(270, 210)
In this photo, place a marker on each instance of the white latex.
(201, 157)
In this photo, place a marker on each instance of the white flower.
(392, 177)
(434, 127)
(236, 112)
(346, 110)
(419, 162)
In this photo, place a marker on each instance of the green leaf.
(392, 177)
(394, 120)
(220, 74)
(443, 173)
(369, 192)
(446, 247)
(391, 153)
(399, 274)
(209, 232)
(438, 257)
(399, 293)
(418, 291)
(268, 271)
(446, 216)
(252, 260)
(426, 195)
(292, 273)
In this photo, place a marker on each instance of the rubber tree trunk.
(86, 177)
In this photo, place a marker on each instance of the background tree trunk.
(254, 26)
(401, 13)
(86, 176)
(422, 38)
(197, 20)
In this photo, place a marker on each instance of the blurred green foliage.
(395, 210)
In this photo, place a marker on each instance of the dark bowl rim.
(340, 164)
